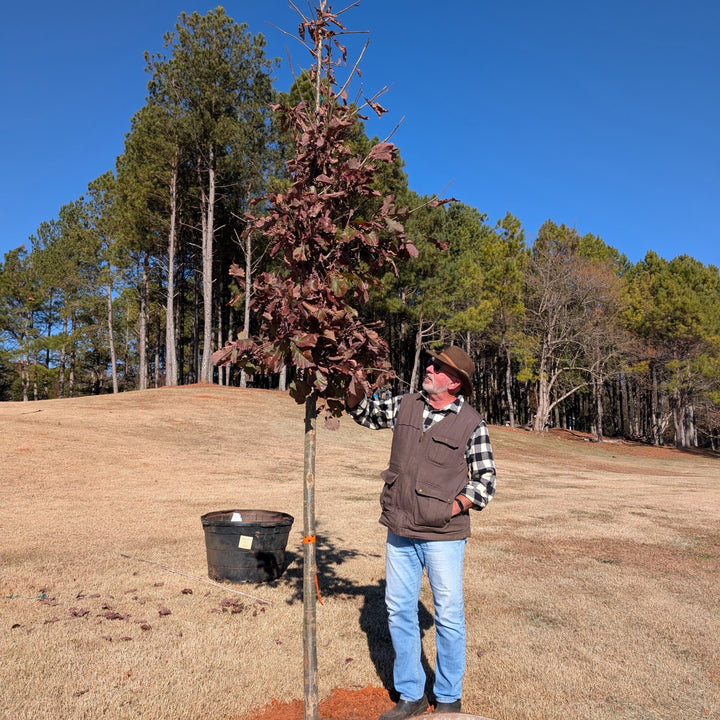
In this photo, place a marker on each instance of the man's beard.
(434, 387)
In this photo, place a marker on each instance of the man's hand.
(460, 505)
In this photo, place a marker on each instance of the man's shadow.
(373, 621)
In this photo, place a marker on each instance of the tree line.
(130, 286)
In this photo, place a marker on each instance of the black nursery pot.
(248, 548)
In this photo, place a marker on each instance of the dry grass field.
(592, 579)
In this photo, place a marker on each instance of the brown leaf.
(306, 340)
(79, 612)
(233, 605)
(439, 244)
(332, 423)
(383, 151)
(411, 249)
(377, 107)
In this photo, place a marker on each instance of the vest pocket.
(389, 489)
(442, 450)
(433, 507)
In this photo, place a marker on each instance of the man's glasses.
(438, 366)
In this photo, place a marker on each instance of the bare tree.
(568, 322)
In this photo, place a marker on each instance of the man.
(441, 466)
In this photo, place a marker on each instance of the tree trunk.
(655, 410)
(143, 328)
(158, 340)
(624, 406)
(208, 231)
(415, 375)
(678, 416)
(181, 308)
(248, 298)
(683, 413)
(25, 380)
(221, 370)
(35, 378)
(63, 355)
(542, 414)
(195, 347)
(71, 376)
(689, 411)
(126, 351)
(310, 564)
(111, 339)
(171, 369)
(691, 426)
(508, 387)
(230, 333)
(599, 408)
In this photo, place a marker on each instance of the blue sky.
(604, 116)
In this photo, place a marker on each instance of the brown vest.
(427, 471)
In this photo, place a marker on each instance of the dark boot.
(453, 707)
(406, 709)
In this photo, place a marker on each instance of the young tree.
(329, 257)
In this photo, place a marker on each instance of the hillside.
(591, 579)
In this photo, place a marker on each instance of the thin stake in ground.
(196, 577)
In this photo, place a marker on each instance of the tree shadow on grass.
(373, 620)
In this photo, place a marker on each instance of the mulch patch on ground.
(365, 704)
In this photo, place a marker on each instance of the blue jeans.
(443, 562)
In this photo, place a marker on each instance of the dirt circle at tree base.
(367, 703)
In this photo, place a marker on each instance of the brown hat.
(460, 361)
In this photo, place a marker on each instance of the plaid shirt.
(376, 414)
